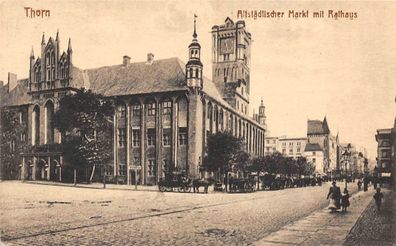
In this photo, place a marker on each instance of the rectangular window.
(151, 137)
(313, 153)
(291, 144)
(150, 167)
(122, 170)
(182, 138)
(290, 151)
(268, 149)
(121, 137)
(136, 109)
(166, 139)
(298, 143)
(283, 144)
(135, 138)
(121, 111)
(166, 166)
(314, 160)
(151, 109)
(273, 149)
(23, 137)
(283, 151)
(268, 141)
(167, 107)
(298, 150)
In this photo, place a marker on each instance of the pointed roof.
(69, 47)
(325, 126)
(57, 35)
(318, 127)
(312, 147)
(32, 53)
(43, 39)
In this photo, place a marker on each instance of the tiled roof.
(18, 95)
(135, 78)
(313, 147)
(317, 127)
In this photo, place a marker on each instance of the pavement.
(47, 214)
(325, 228)
(96, 185)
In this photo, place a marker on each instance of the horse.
(197, 183)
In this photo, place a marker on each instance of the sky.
(304, 68)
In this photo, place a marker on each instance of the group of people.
(338, 200)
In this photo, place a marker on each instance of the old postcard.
(197, 122)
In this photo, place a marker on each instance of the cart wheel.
(168, 189)
(187, 189)
(162, 188)
(179, 189)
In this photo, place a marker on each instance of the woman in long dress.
(335, 196)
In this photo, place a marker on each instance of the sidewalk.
(321, 227)
(95, 185)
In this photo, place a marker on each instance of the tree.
(223, 151)
(85, 122)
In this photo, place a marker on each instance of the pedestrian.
(345, 200)
(378, 196)
(335, 196)
(359, 184)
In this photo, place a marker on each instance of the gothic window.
(36, 126)
(49, 128)
(136, 109)
(135, 138)
(167, 107)
(191, 72)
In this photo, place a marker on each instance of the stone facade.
(165, 110)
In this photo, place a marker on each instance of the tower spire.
(43, 39)
(195, 27)
(69, 47)
(32, 53)
(57, 35)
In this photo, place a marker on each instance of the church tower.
(231, 63)
(194, 65)
(261, 116)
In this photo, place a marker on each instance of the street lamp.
(346, 156)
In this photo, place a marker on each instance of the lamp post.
(346, 156)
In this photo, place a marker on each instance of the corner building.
(165, 109)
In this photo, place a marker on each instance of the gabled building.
(165, 109)
(318, 132)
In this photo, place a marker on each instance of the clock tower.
(231, 63)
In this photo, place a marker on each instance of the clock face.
(227, 46)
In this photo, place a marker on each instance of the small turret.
(194, 65)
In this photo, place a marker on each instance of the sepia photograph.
(154, 122)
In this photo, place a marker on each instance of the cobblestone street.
(34, 214)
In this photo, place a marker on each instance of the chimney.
(150, 58)
(12, 81)
(126, 60)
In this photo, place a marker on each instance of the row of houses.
(321, 148)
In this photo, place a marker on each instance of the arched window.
(36, 126)
(48, 124)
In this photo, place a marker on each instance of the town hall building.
(165, 109)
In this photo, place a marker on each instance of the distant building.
(386, 139)
(318, 132)
(292, 147)
(314, 154)
(271, 145)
